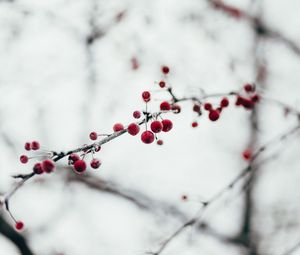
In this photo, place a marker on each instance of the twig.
(227, 188)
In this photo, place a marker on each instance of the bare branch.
(227, 188)
(18, 240)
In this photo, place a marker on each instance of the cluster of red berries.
(213, 113)
(46, 166)
(250, 98)
(147, 136)
(80, 165)
(34, 145)
(154, 123)
(78, 162)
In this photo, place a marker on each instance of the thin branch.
(145, 203)
(226, 188)
(15, 237)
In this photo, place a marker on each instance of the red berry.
(160, 142)
(156, 126)
(35, 145)
(19, 225)
(93, 136)
(239, 100)
(38, 169)
(73, 158)
(214, 115)
(195, 124)
(197, 108)
(247, 103)
(247, 154)
(146, 96)
(133, 129)
(207, 106)
(255, 98)
(118, 127)
(147, 137)
(224, 102)
(165, 69)
(95, 163)
(167, 125)
(80, 166)
(27, 146)
(24, 159)
(162, 84)
(165, 106)
(248, 87)
(48, 166)
(136, 114)
(176, 108)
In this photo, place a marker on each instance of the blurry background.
(71, 67)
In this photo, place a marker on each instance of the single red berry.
(133, 129)
(214, 115)
(247, 103)
(118, 127)
(167, 125)
(160, 142)
(24, 159)
(80, 166)
(248, 87)
(136, 114)
(224, 102)
(165, 106)
(48, 166)
(239, 100)
(35, 145)
(146, 96)
(165, 69)
(247, 154)
(255, 98)
(27, 146)
(38, 169)
(197, 108)
(156, 126)
(207, 106)
(176, 108)
(195, 124)
(19, 225)
(73, 158)
(147, 137)
(95, 163)
(162, 84)
(93, 136)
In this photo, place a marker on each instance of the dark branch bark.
(17, 239)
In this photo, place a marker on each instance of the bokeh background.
(68, 68)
